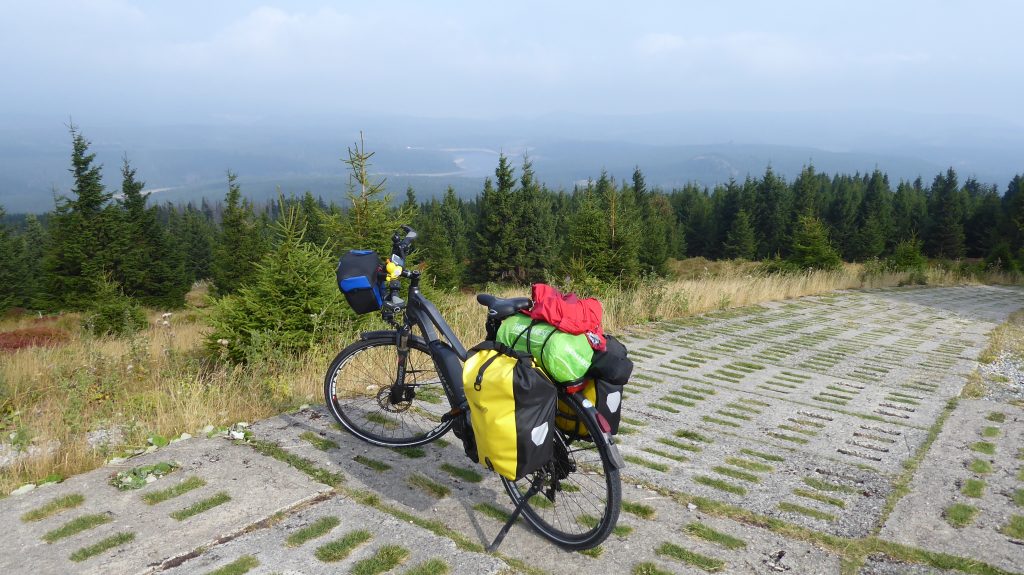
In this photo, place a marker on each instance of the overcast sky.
(203, 61)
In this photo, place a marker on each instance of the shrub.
(113, 313)
(291, 304)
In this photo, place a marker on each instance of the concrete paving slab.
(975, 464)
(258, 487)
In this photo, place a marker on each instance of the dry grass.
(1006, 339)
(160, 382)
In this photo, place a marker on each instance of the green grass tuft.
(594, 552)
(764, 456)
(381, 420)
(678, 445)
(973, 488)
(1018, 497)
(749, 465)
(432, 567)
(101, 546)
(981, 466)
(201, 506)
(692, 435)
(385, 559)
(428, 485)
(243, 564)
(723, 422)
(342, 548)
(462, 473)
(704, 532)
(411, 452)
(996, 417)
(76, 525)
(990, 431)
(646, 463)
(959, 515)
(318, 528)
(648, 568)
(984, 447)
(663, 407)
(1015, 528)
(808, 494)
(826, 486)
(736, 474)
(185, 486)
(373, 464)
(720, 485)
(319, 442)
(302, 464)
(639, 509)
(64, 503)
(709, 564)
(590, 522)
(665, 454)
(808, 511)
(492, 511)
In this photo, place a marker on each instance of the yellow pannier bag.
(606, 397)
(511, 408)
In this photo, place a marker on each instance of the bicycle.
(395, 388)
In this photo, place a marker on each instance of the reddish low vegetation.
(31, 337)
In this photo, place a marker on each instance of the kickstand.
(534, 489)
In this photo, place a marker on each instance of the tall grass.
(161, 381)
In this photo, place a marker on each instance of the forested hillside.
(98, 240)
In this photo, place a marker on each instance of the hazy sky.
(228, 59)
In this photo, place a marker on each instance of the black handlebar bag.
(359, 276)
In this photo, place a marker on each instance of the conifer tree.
(12, 267)
(451, 214)
(771, 214)
(946, 238)
(498, 245)
(238, 246)
(811, 248)
(623, 221)
(588, 237)
(535, 225)
(740, 242)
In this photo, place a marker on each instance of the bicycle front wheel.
(360, 392)
(580, 493)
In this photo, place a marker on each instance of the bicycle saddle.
(500, 308)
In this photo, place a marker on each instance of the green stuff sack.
(564, 357)
(511, 408)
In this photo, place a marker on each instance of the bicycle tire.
(357, 391)
(583, 508)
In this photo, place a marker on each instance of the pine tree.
(12, 267)
(623, 220)
(35, 244)
(740, 242)
(81, 234)
(536, 227)
(498, 245)
(874, 219)
(451, 215)
(238, 246)
(946, 237)
(771, 215)
(588, 237)
(811, 248)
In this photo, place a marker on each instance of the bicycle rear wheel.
(580, 490)
(358, 390)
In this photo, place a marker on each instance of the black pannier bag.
(359, 278)
(609, 371)
(612, 364)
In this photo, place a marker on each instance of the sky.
(191, 61)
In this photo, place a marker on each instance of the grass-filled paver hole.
(590, 522)
(1018, 497)
(980, 466)
(154, 497)
(342, 548)
(77, 525)
(381, 420)
(201, 506)
(679, 445)
(385, 559)
(663, 407)
(709, 564)
(431, 567)
(318, 442)
(990, 431)
(462, 473)
(648, 568)
(53, 507)
(692, 436)
(593, 552)
(826, 486)
(410, 452)
(318, 528)
(677, 401)
(102, 545)
(973, 488)
(666, 454)
(304, 465)
(631, 421)
(373, 464)
(1015, 528)
(996, 417)
(984, 447)
(762, 455)
(806, 511)
(820, 497)
(639, 509)
(493, 511)
(736, 474)
(637, 460)
(959, 514)
(702, 531)
(749, 465)
(720, 485)
(720, 421)
(243, 564)
(428, 485)
(789, 438)
(733, 415)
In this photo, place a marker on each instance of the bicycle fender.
(613, 451)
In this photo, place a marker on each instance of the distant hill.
(186, 163)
